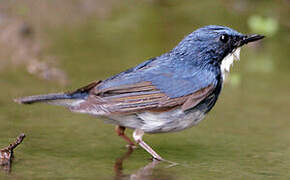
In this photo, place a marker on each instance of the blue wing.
(151, 86)
(173, 79)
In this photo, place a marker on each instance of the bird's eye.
(224, 38)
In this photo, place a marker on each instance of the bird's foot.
(131, 146)
(157, 158)
(164, 160)
(172, 164)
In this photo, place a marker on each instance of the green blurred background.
(50, 46)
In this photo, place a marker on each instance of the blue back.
(192, 65)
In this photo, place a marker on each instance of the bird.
(167, 93)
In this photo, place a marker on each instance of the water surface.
(245, 136)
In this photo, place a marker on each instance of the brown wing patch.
(135, 98)
(139, 87)
(196, 98)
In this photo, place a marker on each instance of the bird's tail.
(61, 99)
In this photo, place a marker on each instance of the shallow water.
(245, 136)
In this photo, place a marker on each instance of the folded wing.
(155, 85)
(137, 97)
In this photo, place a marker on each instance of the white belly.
(175, 120)
(156, 122)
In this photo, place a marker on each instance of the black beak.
(250, 38)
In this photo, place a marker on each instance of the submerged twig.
(6, 154)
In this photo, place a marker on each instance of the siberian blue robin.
(168, 93)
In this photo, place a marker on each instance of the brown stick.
(6, 154)
(19, 139)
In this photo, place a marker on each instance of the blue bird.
(168, 93)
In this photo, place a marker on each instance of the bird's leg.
(137, 135)
(120, 130)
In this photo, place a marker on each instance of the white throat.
(228, 61)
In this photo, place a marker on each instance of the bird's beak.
(250, 38)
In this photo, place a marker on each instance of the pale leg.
(120, 130)
(137, 135)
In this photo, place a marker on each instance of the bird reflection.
(143, 173)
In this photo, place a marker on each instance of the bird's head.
(213, 44)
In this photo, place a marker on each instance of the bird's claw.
(131, 146)
(164, 160)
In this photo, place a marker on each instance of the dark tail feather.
(62, 99)
(41, 98)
